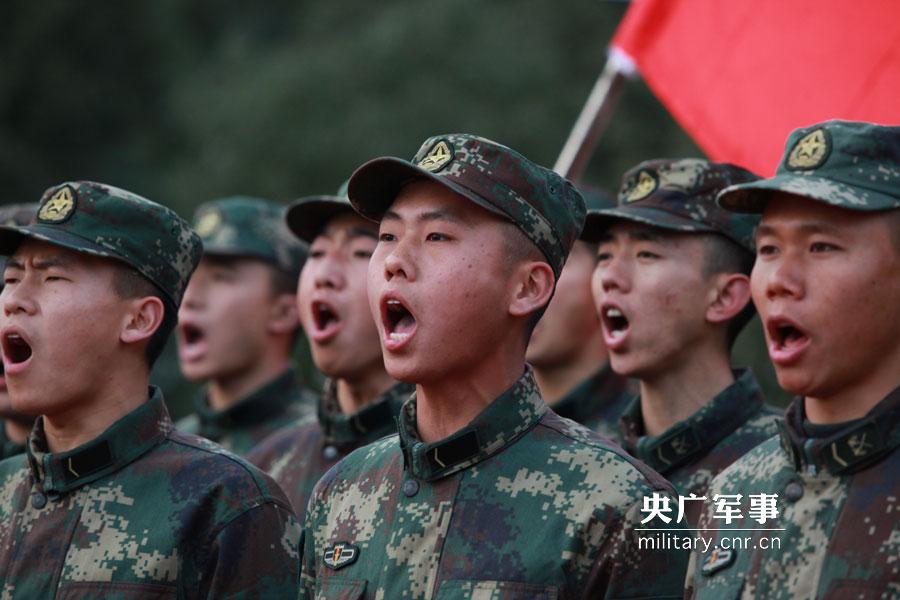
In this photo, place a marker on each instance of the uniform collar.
(504, 421)
(594, 396)
(857, 446)
(123, 442)
(270, 400)
(371, 422)
(687, 440)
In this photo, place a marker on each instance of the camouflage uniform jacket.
(297, 457)
(7, 446)
(597, 403)
(143, 511)
(521, 503)
(692, 452)
(839, 507)
(282, 402)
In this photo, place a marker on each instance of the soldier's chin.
(404, 368)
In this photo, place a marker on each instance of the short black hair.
(727, 256)
(128, 283)
(519, 248)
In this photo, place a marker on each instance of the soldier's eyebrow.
(429, 215)
(807, 228)
(54, 260)
(358, 232)
(14, 263)
(440, 215)
(646, 235)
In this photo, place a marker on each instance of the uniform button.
(329, 452)
(38, 500)
(793, 491)
(410, 488)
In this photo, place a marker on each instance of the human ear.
(143, 318)
(728, 297)
(283, 315)
(533, 284)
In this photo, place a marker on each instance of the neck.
(16, 431)
(854, 401)
(124, 391)
(677, 393)
(445, 406)
(557, 380)
(353, 394)
(224, 392)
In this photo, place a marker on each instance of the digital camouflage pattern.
(678, 195)
(249, 227)
(521, 503)
(690, 453)
(544, 206)
(598, 402)
(297, 457)
(848, 164)
(839, 506)
(307, 216)
(102, 220)
(143, 511)
(280, 403)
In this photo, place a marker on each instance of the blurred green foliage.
(184, 101)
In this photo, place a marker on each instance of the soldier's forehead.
(45, 251)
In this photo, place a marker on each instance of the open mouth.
(191, 334)
(16, 349)
(326, 321)
(399, 322)
(324, 315)
(192, 342)
(615, 323)
(786, 339)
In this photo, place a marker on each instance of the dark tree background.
(185, 101)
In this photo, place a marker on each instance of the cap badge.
(340, 555)
(59, 207)
(810, 151)
(208, 223)
(438, 157)
(645, 185)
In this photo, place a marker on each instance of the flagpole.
(594, 116)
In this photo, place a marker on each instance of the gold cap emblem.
(58, 208)
(208, 223)
(437, 158)
(645, 185)
(810, 151)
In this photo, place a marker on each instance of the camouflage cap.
(241, 226)
(307, 216)
(678, 195)
(16, 214)
(102, 220)
(544, 206)
(849, 164)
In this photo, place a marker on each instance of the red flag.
(740, 75)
